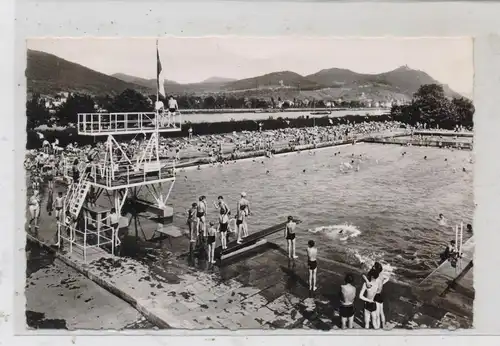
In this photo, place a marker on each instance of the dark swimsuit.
(223, 227)
(211, 239)
(379, 298)
(200, 214)
(346, 310)
(312, 264)
(370, 306)
(289, 235)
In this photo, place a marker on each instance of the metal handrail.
(117, 121)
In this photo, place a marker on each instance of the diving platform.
(252, 241)
(104, 124)
(129, 175)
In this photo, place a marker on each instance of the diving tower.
(122, 178)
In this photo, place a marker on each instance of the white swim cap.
(243, 194)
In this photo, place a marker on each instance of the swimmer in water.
(425, 157)
(290, 237)
(312, 255)
(469, 228)
(442, 220)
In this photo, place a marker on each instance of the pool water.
(387, 209)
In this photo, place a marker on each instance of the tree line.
(132, 101)
(430, 106)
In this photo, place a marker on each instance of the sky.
(191, 60)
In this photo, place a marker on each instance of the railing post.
(70, 238)
(113, 241)
(85, 247)
(58, 234)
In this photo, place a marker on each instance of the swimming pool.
(390, 205)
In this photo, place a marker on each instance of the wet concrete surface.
(58, 297)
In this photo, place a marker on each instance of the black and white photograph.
(236, 183)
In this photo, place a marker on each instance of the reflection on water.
(386, 211)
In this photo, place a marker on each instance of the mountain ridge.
(46, 73)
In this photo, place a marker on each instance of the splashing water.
(337, 232)
(367, 260)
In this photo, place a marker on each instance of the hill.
(283, 79)
(49, 74)
(335, 77)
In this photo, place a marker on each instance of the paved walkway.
(58, 297)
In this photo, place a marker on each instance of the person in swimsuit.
(50, 202)
(191, 221)
(379, 297)
(223, 221)
(347, 297)
(367, 294)
(36, 182)
(75, 172)
(201, 212)
(312, 254)
(449, 252)
(211, 242)
(243, 211)
(34, 208)
(58, 205)
(290, 237)
(50, 176)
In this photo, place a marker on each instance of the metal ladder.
(77, 193)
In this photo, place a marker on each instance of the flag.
(160, 81)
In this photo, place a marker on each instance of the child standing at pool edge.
(312, 254)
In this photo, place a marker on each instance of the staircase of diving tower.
(76, 195)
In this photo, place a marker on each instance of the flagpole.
(157, 80)
(157, 135)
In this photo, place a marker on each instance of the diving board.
(252, 241)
